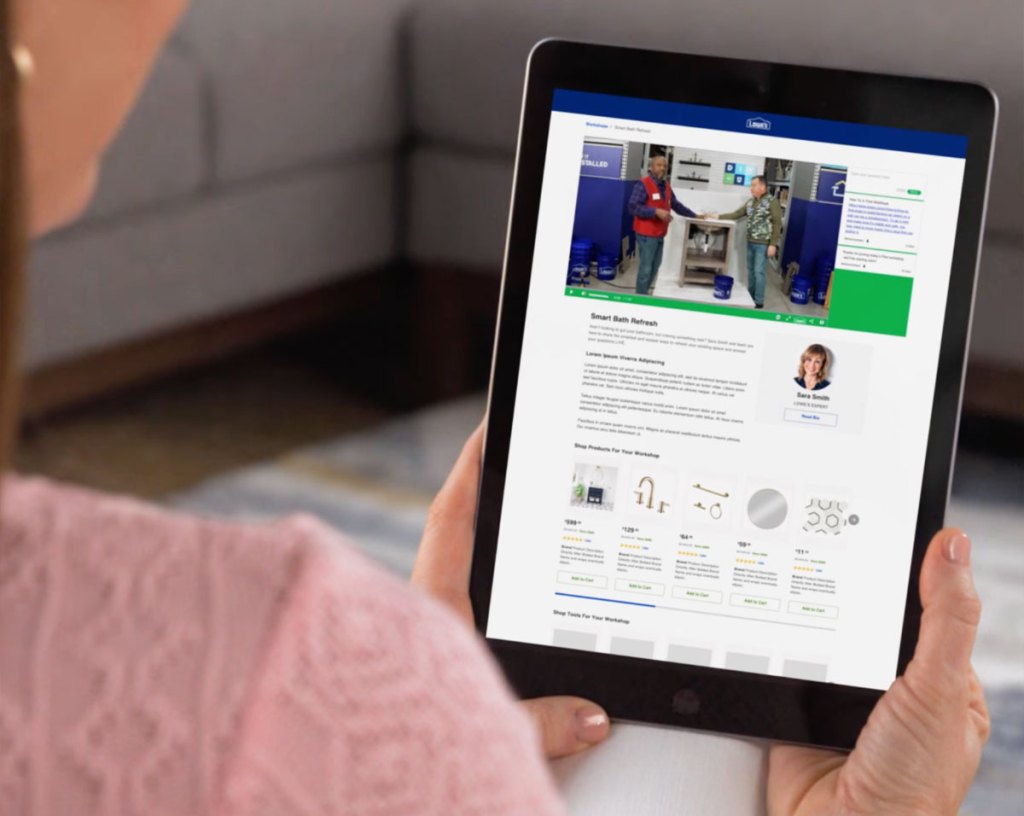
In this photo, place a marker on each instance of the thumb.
(445, 554)
(951, 609)
(567, 725)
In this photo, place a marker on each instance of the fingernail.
(591, 724)
(958, 549)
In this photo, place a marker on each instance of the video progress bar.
(606, 600)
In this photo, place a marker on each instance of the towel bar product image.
(709, 499)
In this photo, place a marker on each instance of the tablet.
(726, 384)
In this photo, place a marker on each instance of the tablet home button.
(686, 702)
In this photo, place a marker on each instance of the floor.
(666, 283)
(165, 437)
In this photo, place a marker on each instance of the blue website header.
(737, 121)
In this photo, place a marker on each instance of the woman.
(151, 662)
(812, 373)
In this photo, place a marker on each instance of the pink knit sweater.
(152, 663)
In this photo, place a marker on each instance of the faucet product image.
(640, 493)
(646, 498)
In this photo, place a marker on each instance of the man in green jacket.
(764, 226)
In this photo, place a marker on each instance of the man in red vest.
(651, 206)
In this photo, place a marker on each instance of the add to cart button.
(754, 602)
(579, 579)
(691, 594)
(643, 587)
(813, 609)
(811, 417)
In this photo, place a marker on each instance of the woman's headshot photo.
(812, 373)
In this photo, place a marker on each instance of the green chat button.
(913, 192)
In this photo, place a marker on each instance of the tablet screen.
(725, 389)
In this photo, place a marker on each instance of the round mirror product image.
(767, 508)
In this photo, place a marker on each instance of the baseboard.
(455, 315)
(98, 374)
(993, 414)
(994, 390)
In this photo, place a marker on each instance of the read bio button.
(810, 417)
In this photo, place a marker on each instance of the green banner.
(870, 302)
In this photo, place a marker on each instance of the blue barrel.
(823, 270)
(821, 285)
(581, 254)
(607, 266)
(801, 290)
(582, 250)
(577, 273)
(723, 287)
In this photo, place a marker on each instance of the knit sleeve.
(375, 700)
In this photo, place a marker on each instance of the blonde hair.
(13, 239)
(814, 350)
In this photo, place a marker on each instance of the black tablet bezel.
(669, 693)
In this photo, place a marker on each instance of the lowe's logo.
(757, 123)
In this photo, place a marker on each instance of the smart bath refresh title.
(636, 321)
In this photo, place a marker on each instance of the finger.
(567, 725)
(446, 550)
(951, 610)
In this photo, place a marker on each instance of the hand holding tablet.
(920, 748)
(566, 724)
